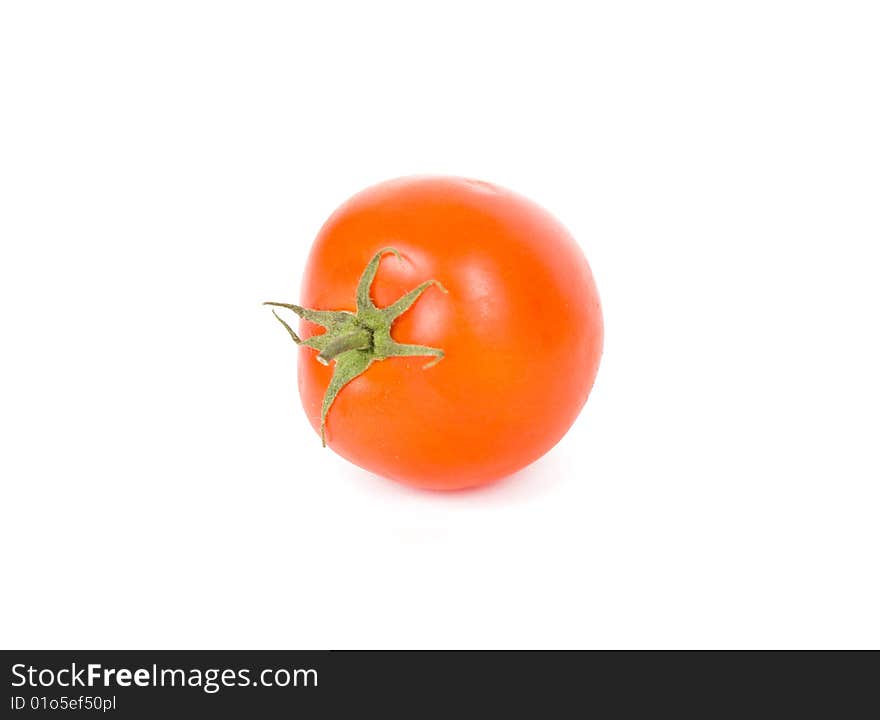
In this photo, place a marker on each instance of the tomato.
(471, 344)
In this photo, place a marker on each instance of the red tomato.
(513, 344)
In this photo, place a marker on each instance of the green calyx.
(354, 341)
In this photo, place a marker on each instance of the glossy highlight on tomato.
(450, 331)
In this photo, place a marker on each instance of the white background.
(164, 167)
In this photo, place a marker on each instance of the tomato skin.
(521, 328)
